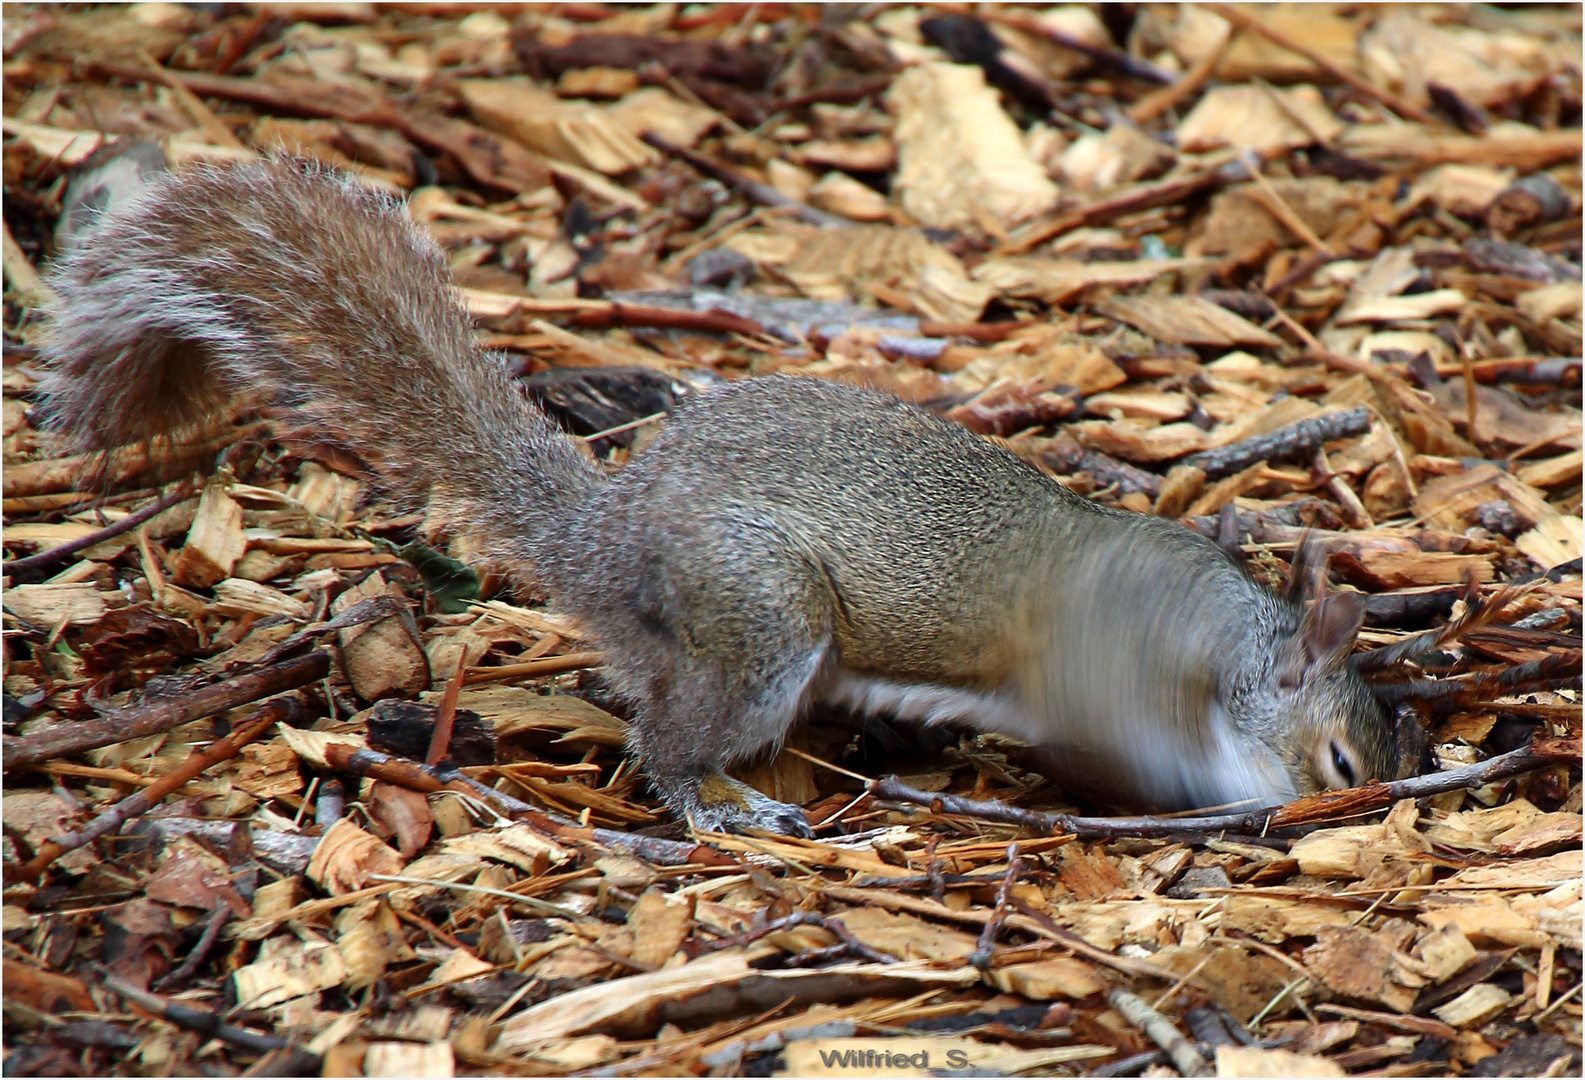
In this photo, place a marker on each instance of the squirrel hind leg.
(692, 724)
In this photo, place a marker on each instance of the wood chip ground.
(1167, 252)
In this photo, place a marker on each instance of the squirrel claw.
(722, 804)
(784, 819)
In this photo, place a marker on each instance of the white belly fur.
(927, 702)
(1228, 770)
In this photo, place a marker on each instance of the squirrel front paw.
(719, 803)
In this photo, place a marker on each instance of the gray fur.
(784, 539)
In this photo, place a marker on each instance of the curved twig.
(1309, 810)
(62, 552)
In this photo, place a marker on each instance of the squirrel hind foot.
(718, 803)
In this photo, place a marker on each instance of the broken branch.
(154, 717)
(272, 713)
(62, 552)
(1309, 810)
(1295, 440)
(757, 192)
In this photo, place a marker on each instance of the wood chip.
(959, 155)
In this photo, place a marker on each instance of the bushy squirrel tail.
(282, 278)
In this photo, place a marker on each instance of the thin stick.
(200, 1020)
(981, 956)
(71, 547)
(839, 770)
(1282, 211)
(1163, 1032)
(1240, 17)
(1141, 197)
(715, 320)
(1295, 440)
(1308, 810)
(830, 822)
(1469, 394)
(213, 126)
(544, 907)
(1477, 613)
(1062, 935)
(195, 959)
(445, 714)
(1157, 102)
(846, 941)
(154, 717)
(763, 194)
(1121, 62)
(1544, 1013)
(273, 712)
(1275, 999)
(1181, 983)
(629, 426)
(551, 665)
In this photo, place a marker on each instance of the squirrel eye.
(1341, 762)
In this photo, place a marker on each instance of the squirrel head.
(1309, 706)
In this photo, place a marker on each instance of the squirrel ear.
(1325, 636)
(1308, 560)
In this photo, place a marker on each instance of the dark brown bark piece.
(1293, 441)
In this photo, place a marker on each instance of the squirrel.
(783, 540)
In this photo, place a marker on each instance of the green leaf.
(453, 584)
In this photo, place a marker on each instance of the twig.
(846, 941)
(1044, 925)
(981, 332)
(1276, 998)
(71, 547)
(1560, 371)
(1308, 810)
(1157, 102)
(981, 956)
(550, 665)
(1163, 1032)
(1241, 18)
(1546, 1012)
(361, 761)
(1066, 457)
(1354, 512)
(1141, 197)
(938, 885)
(757, 192)
(199, 1020)
(1116, 59)
(201, 114)
(1268, 197)
(372, 108)
(544, 907)
(373, 609)
(272, 713)
(445, 714)
(120, 466)
(1132, 1065)
(1298, 272)
(195, 959)
(1476, 615)
(715, 321)
(1295, 440)
(840, 94)
(629, 426)
(1550, 672)
(1417, 1025)
(151, 718)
